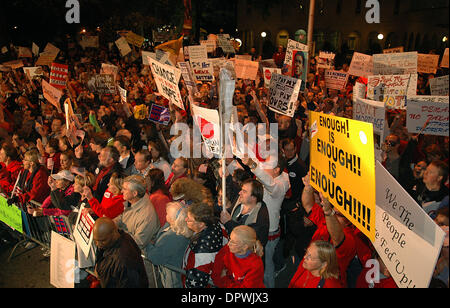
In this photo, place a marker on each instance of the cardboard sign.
(11, 215)
(439, 86)
(62, 261)
(246, 69)
(58, 75)
(342, 157)
(335, 79)
(392, 89)
(35, 49)
(102, 84)
(395, 63)
(14, 64)
(407, 239)
(225, 44)
(374, 112)
(203, 70)
(284, 94)
(427, 64)
(123, 46)
(267, 72)
(167, 78)
(361, 65)
(197, 53)
(444, 61)
(432, 109)
(52, 94)
(208, 123)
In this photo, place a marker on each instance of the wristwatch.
(331, 213)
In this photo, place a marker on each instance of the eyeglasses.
(390, 143)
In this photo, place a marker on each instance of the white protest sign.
(167, 78)
(208, 122)
(284, 94)
(407, 239)
(188, 77)
(209, 44)
(326, 60)
(246, 69)
(82, 232)
(62, 261)
(427, 64)
(359, 91)
(395, 63)
(391, 89)
(123, 94)
(374, 112)
(109, 69)
(197, 53)
(52, 94)
(203, 70)
(444, 61)
(145, 55)
(361, 65)
(439, 86)
(89, 41)
(225, 44)
(291, 46)
(123, 46)
(31, 72)
(335, 79)
(432, 109)
(35, 49)
(267, 72)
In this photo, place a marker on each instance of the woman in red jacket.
(318, 269)
(239, 264)
(159, 194)
(10, 167)
(112, 202)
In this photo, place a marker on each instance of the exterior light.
(380, 36)
(444, 39)
(263, 34)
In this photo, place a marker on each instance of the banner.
(392, 89)
(203, 70)
(197, 53)
(335, 79)
(369, 111)
(62, 261)
(102, 84)
(246, 69)
(444, 61)
(432, 109)
(159, 114)
(395, 63)
(208, 122)
(342, 157)
(326, 60)
(407, 239)
(427, 64)
(123, 46)
(439, 86)
(283, 94)
(11, 215)
(52, 94)
(361, 65)
(267, 72)
(58, 75)
(167, 78)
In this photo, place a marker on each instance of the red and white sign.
(58, 75)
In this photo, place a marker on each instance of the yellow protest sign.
(134, 39)
(343, 167)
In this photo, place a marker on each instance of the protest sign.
(439, 86)
(224, 43)
(146, 55)
(374, 112)
(342, 157)
(289, 58)
(299, 66)
(361, 65)
(326, 60)
(24, 52)
(10, 215)
(208, 123)
(335, 79)
(188, 77)
(82, 232)
(102, 84)
(123, 94)
(432, 109)
(427, 63)
(197, 53)
(267, 72)
(243, 57)
(167, 78)
(134, 39)
(31, 72)
(52, 94)
(203, 70)
(109, 69)
(209, 44)
(444, 61)
(394, 50)
(14, 64)
(89, 41)
(123, 46)
(35, 49)
(359, 91)
(159, 114)
(391, 89)
(246, 69)
(395, 63)
(283, 94)
(62, 261)
(407, 239)
(58, 75)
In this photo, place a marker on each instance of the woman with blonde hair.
(239, 264)
(170, 244)
(318, 269)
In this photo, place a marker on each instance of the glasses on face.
(390, 143)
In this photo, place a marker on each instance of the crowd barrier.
(39, 229)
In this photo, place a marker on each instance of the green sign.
(10, 215)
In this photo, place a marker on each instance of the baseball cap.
(63, 174)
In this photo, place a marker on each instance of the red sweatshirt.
(111, 206)
(9, 174)
(304, 279)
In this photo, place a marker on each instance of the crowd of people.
(145, 201)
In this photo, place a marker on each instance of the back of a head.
(203, 212)
(248, 236)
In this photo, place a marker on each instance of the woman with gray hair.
(170, 245)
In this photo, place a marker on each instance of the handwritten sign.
(395, 63)
(167, 78)
(335, 79)
(439, 86)
(391, 89)
(134, 39)
(52, 94)
(326, 60)
(427, 64)
(197, 53)
(123, 46)
(361, 65)
(283, 94)
(374, 112)
(394, 50)
(10, 215)
(432, 109)
(102, 84)
(444, 61)
(246, 69)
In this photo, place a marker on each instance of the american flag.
(58, 75)
(159, 114)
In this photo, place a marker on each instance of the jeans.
(269, 270)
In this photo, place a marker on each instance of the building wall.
(343, 21)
